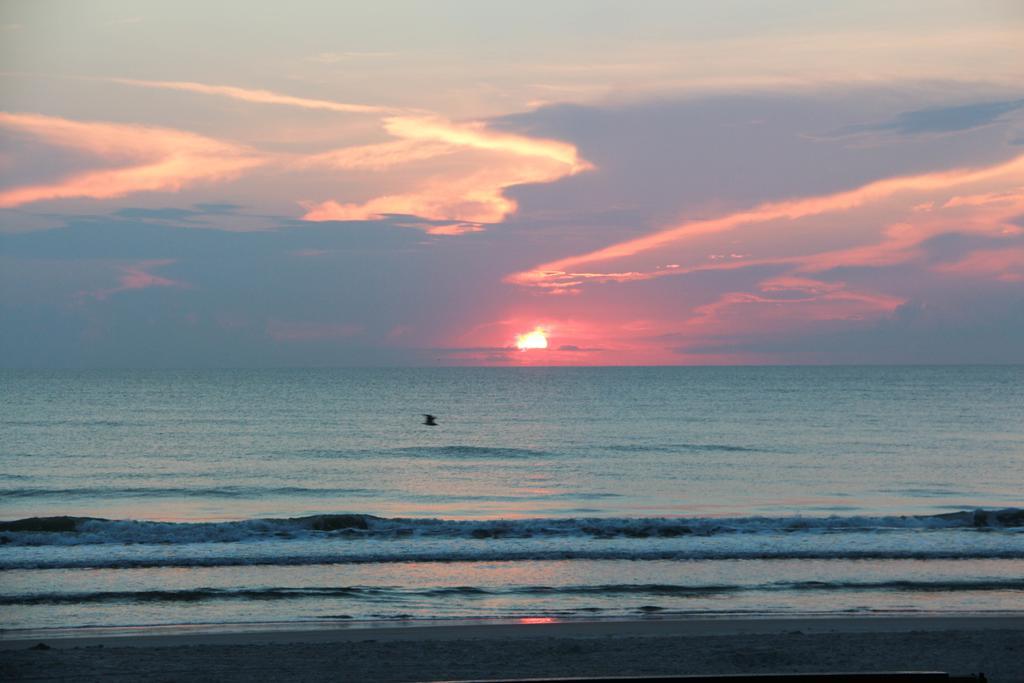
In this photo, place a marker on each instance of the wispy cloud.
(460, 196)
(783, 304)
(427, 137)
(563, 272)
(475, 198)
(136, 276)
(260, 96)
(883, 224)
(1006, 265)
(470, 197)
(150, 158)
(377, 157)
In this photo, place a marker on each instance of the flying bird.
(429, 420)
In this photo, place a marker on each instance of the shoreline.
(957, 645)
(169, 635)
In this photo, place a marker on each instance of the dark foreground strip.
(875, 677)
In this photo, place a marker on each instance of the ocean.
(222, 498)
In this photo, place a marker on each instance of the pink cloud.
(1004, 198)
(136, 276)
(572, 340)
(151, 159)
(1006, 265)
(899, 243)
(454, 229)
(789, 283)
(782, 306)
(473, 198)
(451, 194)
(880, 224)
(775, 212)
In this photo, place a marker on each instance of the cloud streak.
(782, 305)
(376, 157)
(477, 135)
(881, 224)
(150, 158)
(560, 273)
(1005, 265)
(136, 276)
(260, 96)
(474, 197)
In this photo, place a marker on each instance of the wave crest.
(389, 593)
(69, 530)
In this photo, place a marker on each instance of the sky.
(566, 182)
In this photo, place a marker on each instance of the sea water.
(256, 496)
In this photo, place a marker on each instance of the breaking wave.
(388, 593)
(68, 530)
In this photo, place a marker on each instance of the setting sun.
(537, 339)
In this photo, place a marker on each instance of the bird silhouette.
(429, 420)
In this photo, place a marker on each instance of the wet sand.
(958, 645)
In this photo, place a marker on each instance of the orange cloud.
(468, 197)
(473, 198)
(377, 157)
(454, 195)
(879, 224)
(476, 135)
(552, 273)
(151, 158)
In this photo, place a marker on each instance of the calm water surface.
(296, 495)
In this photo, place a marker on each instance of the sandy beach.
(957, 645)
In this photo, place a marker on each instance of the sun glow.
(537, 339)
